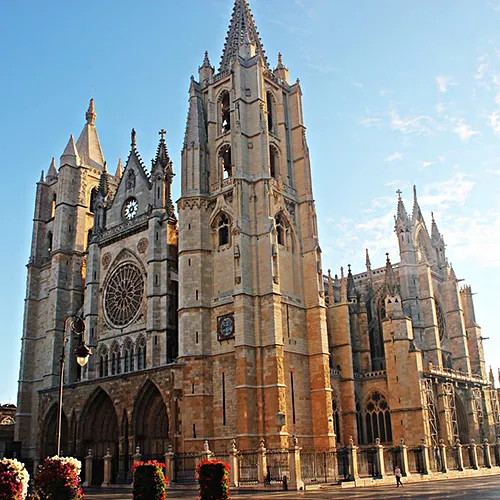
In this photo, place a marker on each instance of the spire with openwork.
(162, 156)
(242, 30)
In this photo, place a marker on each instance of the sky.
(396, 93)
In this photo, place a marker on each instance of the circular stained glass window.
(123, 295)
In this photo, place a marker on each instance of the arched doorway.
(99, 433)
(49, 434)
(151, 425)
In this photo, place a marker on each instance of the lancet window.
(225, 111)
(53, 205)
(270, 111)
(226, 160)
(378, 418)
(223, 230)
(115, 361)
(128, 357)
(141, 354)
(273, 162)
(93, 200)
(280, 230)
(103, 362)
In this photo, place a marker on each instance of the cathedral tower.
(252, 317)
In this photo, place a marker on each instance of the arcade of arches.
(101, 427)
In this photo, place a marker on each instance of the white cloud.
(441, 195)
(358, 85)
(494, 120)
(464, 131)
(395, 156)
(482, 67)
(444, 82)
(497, 98)
(384, 92)
(425, 164)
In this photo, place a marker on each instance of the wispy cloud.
(419, 124)
(370, 121)
(394, 157)
(444, 82)
(425, 164)
(383, 92)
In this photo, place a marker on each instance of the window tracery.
(93, 200)
(378, 418)
(225, 119)
(141, 354)
(103, 362)
(227, 167)
(123, 294)
(223, 230)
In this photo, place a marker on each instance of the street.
(480, 488)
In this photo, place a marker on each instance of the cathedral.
(213, 320)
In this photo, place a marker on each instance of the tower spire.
(242, 29)
(52, 172)
(416, 214)
(88, 144)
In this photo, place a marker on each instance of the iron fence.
(277, 466)
(466, 456)
(184, 465)
(319, 466)
(416, 460)
(368, 463)
(247, 467)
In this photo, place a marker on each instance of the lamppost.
(82, 353)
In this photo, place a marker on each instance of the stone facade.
(221, 325)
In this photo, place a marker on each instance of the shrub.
(150, 482)
(58, 478)
(14, 480)
(213, 477)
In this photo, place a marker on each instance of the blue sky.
(395, 93)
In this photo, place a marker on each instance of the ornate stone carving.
(106, 260)
(142, 245)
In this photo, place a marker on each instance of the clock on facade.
(130, 208)
(225, 327)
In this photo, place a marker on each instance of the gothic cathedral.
(214, 321)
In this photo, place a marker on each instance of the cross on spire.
(162, 133)
(399, 193)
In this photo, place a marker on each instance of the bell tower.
(252, 316)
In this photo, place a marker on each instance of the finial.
(90, 115)
(206, 61)
(348, 268)
(134, 138)
(432, 217)
(414, 192)
(387, 261)
(280, 58)
(41, 177)
(368, 262)
(399, 193)
(162, 133)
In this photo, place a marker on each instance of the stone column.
(262, 463)
(487, 453)
(296, 483)
(136, 457)
(473, 454)
(88, 469)
(405, 466)
(107, 469)
(425, 456)
(169, 464)
(353, 459)
(380, 458)
(460, 457)
(233, 463)
(444, 457)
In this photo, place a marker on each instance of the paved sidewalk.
(478, 488)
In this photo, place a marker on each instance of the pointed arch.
(224, 113)
(93, 199)
(128, 356)
(462, 421)
(271, 111)
(150, 421)
(98, 428)
(140, 353)
(226, 161)
(377, 418)
(49, 434)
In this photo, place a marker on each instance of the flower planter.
(213, 478)
(150, 482)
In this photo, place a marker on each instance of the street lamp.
(82, 353)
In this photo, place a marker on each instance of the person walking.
(397, 473)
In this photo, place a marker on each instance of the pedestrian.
(397, 473)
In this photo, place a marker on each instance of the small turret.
(403, 230)
(281, 70)
(206, 71)
(52, 173)
(390, 279)
(119, 169)
(70, 154)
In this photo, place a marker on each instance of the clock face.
(226, 327)
(130, 208)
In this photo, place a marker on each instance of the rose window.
(124, 293)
